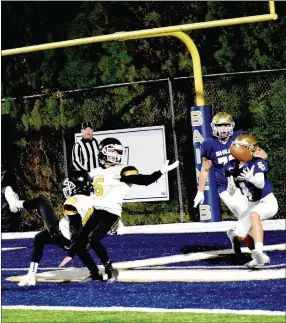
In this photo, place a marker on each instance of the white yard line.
(143, 309)
(191, 227)
(188, 257)
(151, 267)
(12, 248)
(205, 267)
(42, 268)
(176, 258)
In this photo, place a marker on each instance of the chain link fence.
(241, 94)
(257, 101)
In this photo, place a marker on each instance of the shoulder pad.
(71, 200)
(129, 170)
(261, 163)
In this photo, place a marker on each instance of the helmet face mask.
(222, 125)
(68, 188)
(77, 183)
(111, 151)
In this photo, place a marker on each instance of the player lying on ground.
(112, 182)
(58, 232)
(248, 174)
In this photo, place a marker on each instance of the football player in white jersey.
(58, 232)
(112, 181)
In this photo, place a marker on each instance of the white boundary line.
(142, 309)
(191, 227)
(42, 268)
(154, 267)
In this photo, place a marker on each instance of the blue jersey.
(219, 154)
(252, 192)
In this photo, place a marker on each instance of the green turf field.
(31, 316)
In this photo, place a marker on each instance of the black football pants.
(53, 234)
(96, 228)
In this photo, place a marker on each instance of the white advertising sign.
(147, 152)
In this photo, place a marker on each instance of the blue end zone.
(245, 295)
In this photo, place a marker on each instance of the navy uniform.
(260, 200)
(216, 150)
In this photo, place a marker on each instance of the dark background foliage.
(34, 129)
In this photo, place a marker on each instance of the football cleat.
(259, 259)
(28, 280)
(12, 199)
(235, 243)
(112, 273)
(93, 277)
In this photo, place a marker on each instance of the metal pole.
(182, 214)
(65, 154)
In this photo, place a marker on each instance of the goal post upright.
(200, 114)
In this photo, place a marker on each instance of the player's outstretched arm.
(166, 168)
(130, 175)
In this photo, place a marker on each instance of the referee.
(85, 151)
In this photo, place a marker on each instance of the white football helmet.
(111, 151)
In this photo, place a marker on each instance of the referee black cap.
(86, 124)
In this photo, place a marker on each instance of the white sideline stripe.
(187, 257)
(152, 267)
(42, 268)
(199, 275)
(191, 227)
(183, 275)
(204, 267)
(180, 258)
(141, 309)
(12, 248)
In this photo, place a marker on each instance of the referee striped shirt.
(85, 154)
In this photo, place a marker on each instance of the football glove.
(199, 199)
(166, 168)
(247, 175)
(231, 187)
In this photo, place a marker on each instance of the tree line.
(32, 153)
